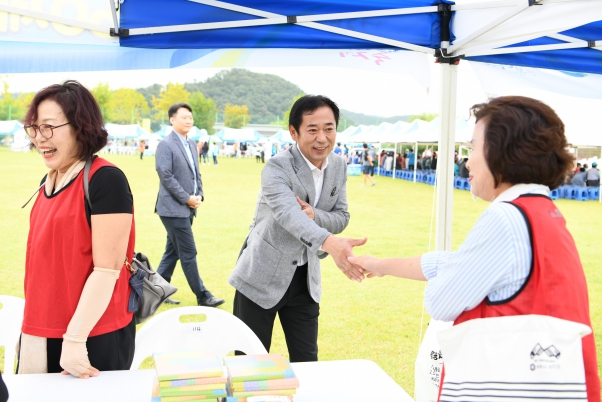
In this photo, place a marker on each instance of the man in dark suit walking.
(180, 194)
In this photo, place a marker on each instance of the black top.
(109, 192)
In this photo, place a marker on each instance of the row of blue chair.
(429, 177)
(575, 193)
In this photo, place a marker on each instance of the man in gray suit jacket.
(302, 203)
(180, 194)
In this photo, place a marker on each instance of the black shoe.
(171, 301)
(212, 302)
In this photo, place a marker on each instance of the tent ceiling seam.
(52, 18)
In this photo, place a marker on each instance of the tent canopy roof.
(562, 35)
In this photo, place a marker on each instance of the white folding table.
(340, 380)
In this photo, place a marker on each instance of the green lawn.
(378, 319)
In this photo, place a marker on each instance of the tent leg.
(114, 14)
(445, 170)
(415, 160)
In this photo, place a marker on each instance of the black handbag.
(149, 289)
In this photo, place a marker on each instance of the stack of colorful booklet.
(189, 376)
(259, 375)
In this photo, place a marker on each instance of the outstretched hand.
(368, 264)
(340, 249)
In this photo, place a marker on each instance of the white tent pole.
(114, 14)
(415, 159)
(394, 162)
(445, 171)
(594, 44)
(570, 39)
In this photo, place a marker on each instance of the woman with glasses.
(76, 285)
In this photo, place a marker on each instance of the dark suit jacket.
(176, 177)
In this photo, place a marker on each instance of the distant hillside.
(368, 120)
(267, 96)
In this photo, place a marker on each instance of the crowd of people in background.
(389, 159)
(583, 176)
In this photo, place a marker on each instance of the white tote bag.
(429, 363)
(517, 358)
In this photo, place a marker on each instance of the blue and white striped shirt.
(494, 260)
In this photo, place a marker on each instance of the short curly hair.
(524, 141)
(81, 110)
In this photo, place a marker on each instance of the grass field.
(378, 319)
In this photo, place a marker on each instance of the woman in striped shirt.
(519, 258)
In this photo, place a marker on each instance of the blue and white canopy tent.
(395, 35)
(8, 127)
(283, 137)
(239, 135)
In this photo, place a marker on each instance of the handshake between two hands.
(341, 251)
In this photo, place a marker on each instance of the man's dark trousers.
(298, 314)
(180, 246)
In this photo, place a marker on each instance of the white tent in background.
(284, 136)
(394, 133)
(364, 135)
(163, 131)
(360, 130)
(342, 136)
(239, 134)
(8, 127)
(464, 129)
(196, 134)
(152, 140)
(20, 141)
(124, 131)
(372, 134)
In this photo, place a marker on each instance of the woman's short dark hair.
(307, 105)
(524, 141)
(82, 112)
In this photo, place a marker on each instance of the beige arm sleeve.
(92, 304)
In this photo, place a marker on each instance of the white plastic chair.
(11, 319)
(221, 332)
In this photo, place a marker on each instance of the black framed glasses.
(45, 129)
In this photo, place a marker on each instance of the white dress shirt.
(318, 175)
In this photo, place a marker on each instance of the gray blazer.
(281, 231)
(176, 177)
